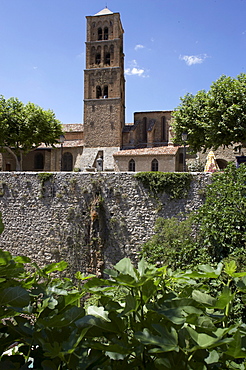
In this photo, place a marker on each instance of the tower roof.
(104, 11)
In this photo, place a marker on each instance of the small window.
(39, 161)
(131, 165)
(106, 33)
(99, 34)
(98, 92)
(107, 59)
(154, 165)
(105, 92)
(98, 58)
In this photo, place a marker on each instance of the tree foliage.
(222, 218)
(24, 127)
(213, 118)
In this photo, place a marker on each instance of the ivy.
(176, 185)
(44, 176)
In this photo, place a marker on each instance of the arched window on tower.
(163, 129)
(106, 33)
(98, 58)
(105, 92)
(39, 161)
(107, 59)
(131, 165)
(67, 162)
(99, 33)
(154, 165)
(98, 92)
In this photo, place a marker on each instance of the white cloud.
(135, 70)
(193, 59)
(139, 46)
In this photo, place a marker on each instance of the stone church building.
(104, 142)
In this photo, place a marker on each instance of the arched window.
(98, 92)
(39, 161)
(131, 165)
(154, 165)
(163, 129)
(105, 92)
(67, 162)
(107, 59)
(144, 133)
(98, 58)
(106, 33)
(99, 34)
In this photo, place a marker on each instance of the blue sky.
(172, 47)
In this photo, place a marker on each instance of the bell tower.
(104, 82)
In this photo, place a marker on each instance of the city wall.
(91, 220)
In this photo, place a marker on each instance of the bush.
(142, 318)
(174, 244)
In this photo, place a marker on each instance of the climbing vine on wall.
(44, 176)
(176, 185)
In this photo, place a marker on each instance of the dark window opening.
(107, 59)
(39, 161)
(163, 129)
(154, 165)
(131, 165)
(144, 136)
(106, 33)
(181, 158)
(67, 162)
(105, 92)
(99, 34)
(98, 58)
(99, 92)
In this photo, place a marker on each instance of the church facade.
(104, 142)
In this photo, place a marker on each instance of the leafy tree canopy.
(213, 118)
(24, 127)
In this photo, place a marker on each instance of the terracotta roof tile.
(161, 150)
(66, 144)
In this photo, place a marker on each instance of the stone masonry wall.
(91, 220)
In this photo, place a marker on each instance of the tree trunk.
(18, 161)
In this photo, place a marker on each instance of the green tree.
(213, 118)
(24, 127)
(222, 218)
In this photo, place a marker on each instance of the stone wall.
(91, 220)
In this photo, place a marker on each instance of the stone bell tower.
(104, 85)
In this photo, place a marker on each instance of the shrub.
(142, 318)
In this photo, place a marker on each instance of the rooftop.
(160, 150)
(104, 11)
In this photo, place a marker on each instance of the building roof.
(160, 150)
(73, 127)
(104, 11)
(66, 144)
